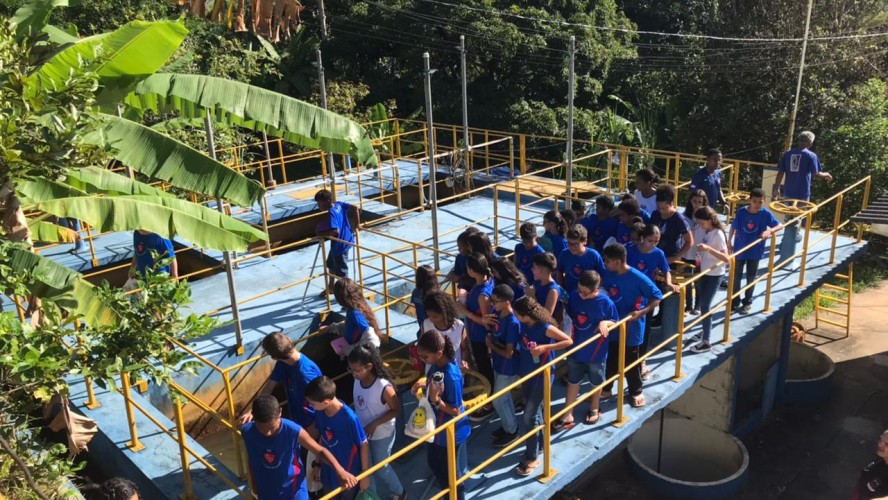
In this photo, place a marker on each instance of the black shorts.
(337, 265)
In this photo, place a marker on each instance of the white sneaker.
(702, 346)
(697, 338)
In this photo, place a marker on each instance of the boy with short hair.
(273, 453)
(634, 295)
(341, 433)
(502, 343)
(544, 288)
(602, 225)
(576, 259)
(336, 225)
(292, 369)
(527, 249)
(752, 223)
(592, 313)
(673, 227)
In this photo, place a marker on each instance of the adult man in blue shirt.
(800, 166)
(144, 242)
(336, 225)
(709, 178)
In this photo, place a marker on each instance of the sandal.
(645, 373)
(560, 425)
(637, 401)
(592, 417)
(525, 469)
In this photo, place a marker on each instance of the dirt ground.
(804, 452)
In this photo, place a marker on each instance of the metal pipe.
(269, 179)
(732, 271)
(232, 414)
(133, 444)
(322, 14)
(232, 290)
(767, 307)
(795, 108)
(181, 437)
(323, 87)
(465, 94)
(679, 341)
(837, 221)
(451, 462)
(621, 374)
(433, 167)
(808, 221)
(548, 471)
(570, 117)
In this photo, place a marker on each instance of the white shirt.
(649, 204)
(715, 239)
(370, 405)
(454, 333)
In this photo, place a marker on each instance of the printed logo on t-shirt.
(641, 265)
(624, 238)
(330, 440)
(140, 248)
(577, 270)
(614, 292)
(750, 227)
(582, 322)
(523, 261)
(271, 460)
(873, 485)
(360, 401)
(795, 161)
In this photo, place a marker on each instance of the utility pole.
(323, 84)
(323, 17)
(433, 162)
(465, 95)
(570, 119)
(795, 108)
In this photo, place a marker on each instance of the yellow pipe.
(548, 471)
(235, 434)
(732, 270)
(837, 221)
(621, 368)
(679, 342)
(770, 273)
(181, 436)
(804, 265)
(133, 444)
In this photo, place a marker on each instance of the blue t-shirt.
(711, 184)
(507, 331)
(537, 334)
(143, 244)
(337, 218)
(518, 290)
(295, 379)
(541, 293)
(648, 263)
(630, 291)
(416, 300)
(355, 326)
(600, 230)
(798, 166)
(460, 265)
(748, 228)
(586, 314)
(624, 234)
(275, 462)
(671, 230)
(343, 436)
(645, 216)
(477, 331)
(573, 266)
(557, 242)
(524, 259)
(453, 397)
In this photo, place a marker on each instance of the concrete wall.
(710, 401)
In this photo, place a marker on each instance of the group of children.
(566, 288)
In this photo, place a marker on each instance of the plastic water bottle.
(531, 346)
(438, 379)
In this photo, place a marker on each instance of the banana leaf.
(48, 232)
(161, 157)
(163, 215)
(38, 189)
(255, 109)
(63, 286)
(120, 58)
(32, 17)
(96, 180)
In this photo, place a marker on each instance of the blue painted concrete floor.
(574, 450)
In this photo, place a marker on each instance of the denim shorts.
(576, 370)
(337, 265)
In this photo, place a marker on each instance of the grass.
(869, 271)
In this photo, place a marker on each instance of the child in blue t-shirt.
(437, 351)
(634, 295)
(544, 289)
(459, 274)
(273, 453)
(527, 250)
(752, 224)
(294, 371)
(539, 340)
(341, 434)
(502, 344)
(601, 226)
(477, 310)
(592, 313)
(553, 238)
(360, 326)
(576, 259)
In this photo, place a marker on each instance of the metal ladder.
(830, 295)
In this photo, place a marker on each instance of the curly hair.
(348, 295)
(443, 304)
(530, 308)
(555, 217)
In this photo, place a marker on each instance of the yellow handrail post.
(517, 205)
(397, 186)
(283, 163)
(808, 220)
(92, 247)
(666, 176)
(415, 256)
(679, 341)
(837, 220)
(360, 266)
(19, 307)
(360, 186)
(548, 471)
(397, 138)
(495, 215)
(232, 414)
(133, 444)
(770, 272)
(610, 172)
(326, 276)
(621, 373)
(91, 402)
(677, 169)
(453, 138)
(451, 462)
(735, 174)
(324, 172)
(624, 168)
(181, 438)
(866, 196)
(732, 271)
(385, 295)
(522, 153)
(486, 151)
